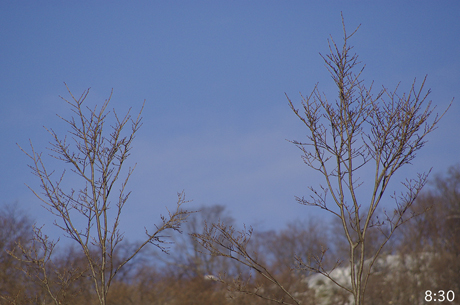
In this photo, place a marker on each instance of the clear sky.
(214, 75)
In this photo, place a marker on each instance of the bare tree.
(37, 258)
(96, 156)
(266, 260)
(187, 259)
(223, 240)
(14, 227)
(359, 132)
(431, 242)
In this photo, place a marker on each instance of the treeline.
(425, 255)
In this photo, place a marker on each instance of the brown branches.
(224, 241)
(346, 135)
(96, 149)
(38, 266)
(359, 130)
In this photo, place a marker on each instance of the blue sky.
(213, 74)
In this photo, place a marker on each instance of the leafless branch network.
(95, 150)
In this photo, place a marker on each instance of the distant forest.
(426, 248)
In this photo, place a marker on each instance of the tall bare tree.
(358, 132)
(96, 153)
(361, 131)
